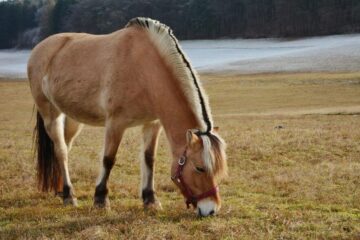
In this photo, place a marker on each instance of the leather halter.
(179, 181)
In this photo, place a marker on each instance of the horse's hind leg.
(150, 139)
(72, 129)
(54, 125)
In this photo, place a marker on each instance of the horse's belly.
(97, 118)
(86, 116)
(90, 110)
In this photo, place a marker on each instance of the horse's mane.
(169, 48)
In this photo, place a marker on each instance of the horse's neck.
(176, 122)
(174, 112)
(177, 118)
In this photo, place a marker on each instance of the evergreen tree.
(189, 19)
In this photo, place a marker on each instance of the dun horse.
(135, 76)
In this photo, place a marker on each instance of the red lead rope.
(191, 199)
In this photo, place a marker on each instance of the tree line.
(23, 23)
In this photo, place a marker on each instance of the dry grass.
(282, 93)
(298, 182)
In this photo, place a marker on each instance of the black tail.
(48, 170)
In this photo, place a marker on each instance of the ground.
(294, 167)
(337, 53)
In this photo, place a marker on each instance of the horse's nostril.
(212, 212)
(199, 212)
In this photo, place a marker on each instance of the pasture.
(294, 167)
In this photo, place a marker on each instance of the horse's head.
(199, 168)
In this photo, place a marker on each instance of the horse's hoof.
(153, 206)
(59, 194)
(102, 203)
(71, 201)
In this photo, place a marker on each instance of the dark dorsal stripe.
(202, 102)
(187, 63)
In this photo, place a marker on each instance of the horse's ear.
(191, 138)
(216, 129)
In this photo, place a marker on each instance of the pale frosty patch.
(330, 53)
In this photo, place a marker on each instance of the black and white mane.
(169, 48)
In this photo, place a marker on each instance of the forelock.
(214, 156)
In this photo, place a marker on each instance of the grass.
(301, 181)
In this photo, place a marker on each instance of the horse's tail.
(48, 169)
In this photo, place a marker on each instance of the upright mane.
(169, 48)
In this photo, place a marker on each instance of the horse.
(136, 76)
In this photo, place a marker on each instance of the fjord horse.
(135, 76)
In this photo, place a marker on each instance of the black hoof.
(70, 201)
(100, 199)
(148, 196)
(101, 202)
(153, 206)
(149, 199)
(68, 196)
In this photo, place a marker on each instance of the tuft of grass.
(297, 181)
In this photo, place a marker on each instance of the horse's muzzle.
(206, 207)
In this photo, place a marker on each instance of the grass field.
(301, 181)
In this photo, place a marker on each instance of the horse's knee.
(150, 138)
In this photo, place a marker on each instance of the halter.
(179, 180)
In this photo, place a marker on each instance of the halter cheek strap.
(191, 199)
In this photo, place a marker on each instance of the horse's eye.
(199, 169)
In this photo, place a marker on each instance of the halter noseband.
(179, 180)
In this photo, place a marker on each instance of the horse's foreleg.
(150, 138)
(113, 137)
